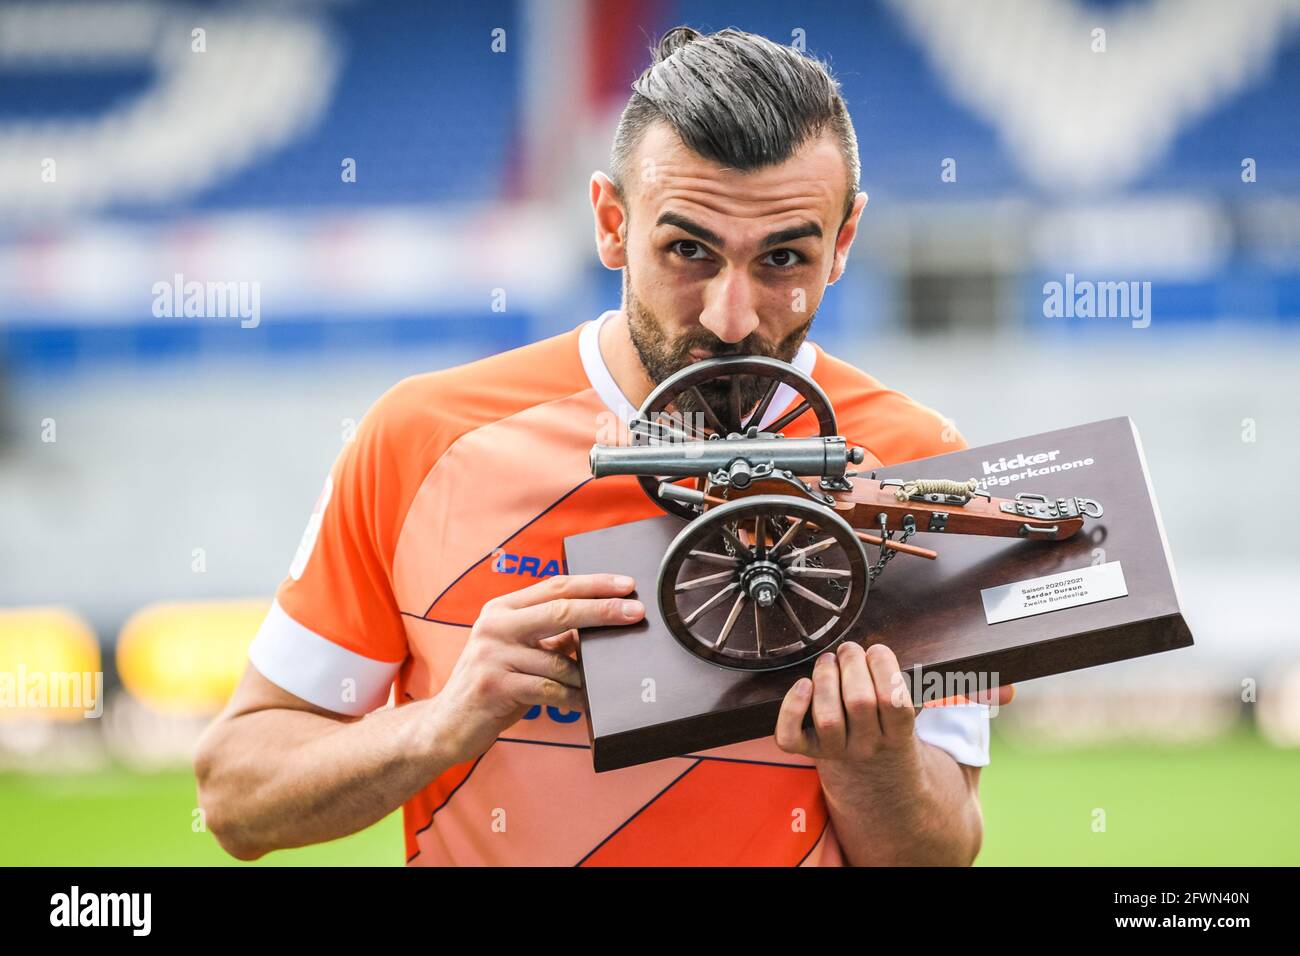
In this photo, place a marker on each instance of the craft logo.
(133, 910)
(211, 300)
(528, 564)
(1020, 466)
(1085, 299)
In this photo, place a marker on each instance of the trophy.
(763, 560)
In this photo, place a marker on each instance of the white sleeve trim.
(315, 668)
(960, 729)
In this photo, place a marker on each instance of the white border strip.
(593, 363)
(315, 668)
(962, 730)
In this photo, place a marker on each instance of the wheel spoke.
(790, 532)
(710, 604)
(731, 621)
(758, 629)
(794, 618)
(705, 407)
(808, 551)
(815, 598)
(808, 571)
(760, 536)
(757, 417)
(789, 416)
(710, 557)
(735, 403)
(705, 581)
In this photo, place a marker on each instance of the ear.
(611, 222)
(844, 240)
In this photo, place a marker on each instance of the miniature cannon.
(771, 568)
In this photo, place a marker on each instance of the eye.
(784, 258)
(687, 249)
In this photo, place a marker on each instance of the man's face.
(721, 262)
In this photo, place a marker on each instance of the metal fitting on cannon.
(827, 456)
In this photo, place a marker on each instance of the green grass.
(1227, 803)
(1230, 802)
(120, 818)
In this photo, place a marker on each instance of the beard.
(662, 357)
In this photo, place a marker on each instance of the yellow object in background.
(50, 664)
(185, 658)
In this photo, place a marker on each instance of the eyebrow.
(777, 238)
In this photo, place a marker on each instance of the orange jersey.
(461, 485)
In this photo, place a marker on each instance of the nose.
(729, 311)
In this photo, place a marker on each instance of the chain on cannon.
(886, 553)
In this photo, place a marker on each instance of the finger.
(538, 663)
(568, 586)
(859, 693)
(790, 735)
(528, 689)
(827, 706)
(897, 717)
(529, 625)
(566, 643)
(999, 694)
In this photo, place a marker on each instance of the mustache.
(716, 348)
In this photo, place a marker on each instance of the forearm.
(273, 779)
(909, 807)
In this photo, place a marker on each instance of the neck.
(622, 360)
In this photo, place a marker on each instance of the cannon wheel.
(763, 582)
(664, 421)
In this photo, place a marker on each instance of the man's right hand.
(518, 656)
(276, 771)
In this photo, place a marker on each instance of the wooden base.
(648, 697)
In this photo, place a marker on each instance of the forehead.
(669, 176)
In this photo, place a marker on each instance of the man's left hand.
(861, 707)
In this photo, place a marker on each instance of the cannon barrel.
(824, 456)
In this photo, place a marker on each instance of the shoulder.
(889, 424)
(420, 416)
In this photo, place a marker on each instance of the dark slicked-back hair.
(735, 98)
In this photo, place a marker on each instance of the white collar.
(602, 381)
